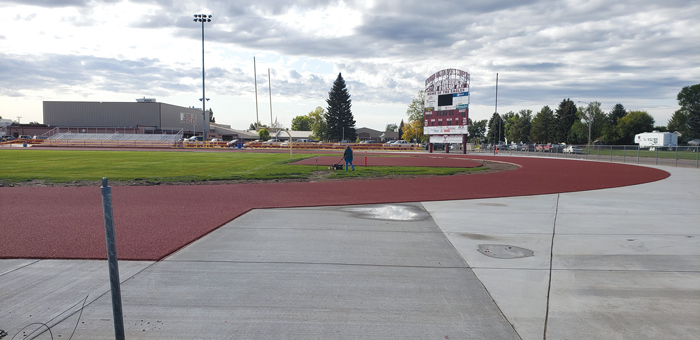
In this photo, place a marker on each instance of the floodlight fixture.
(203, 18)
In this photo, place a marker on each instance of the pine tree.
(616, 113)
(211, 116)
(339, 119)
(565, 116)
(542, 129)
(496, 125)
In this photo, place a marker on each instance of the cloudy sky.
(638, 53)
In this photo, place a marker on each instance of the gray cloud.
(59, 3)
(544, 50)
(59, 71)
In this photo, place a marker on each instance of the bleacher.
(69, 138)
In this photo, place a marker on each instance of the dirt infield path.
(151, 222)
(417, 161)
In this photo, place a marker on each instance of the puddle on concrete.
(504, 251)
(393, 212)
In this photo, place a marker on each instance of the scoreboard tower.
(447, 108)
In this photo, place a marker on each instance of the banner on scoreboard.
(445, 139)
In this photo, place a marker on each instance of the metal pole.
(637, 155)
(255, 76)
(676, 156)
(269, 84)
(112, 260)
(657, 155)
(590, 123)
(624, 153)
(498, 126)
(204, 97)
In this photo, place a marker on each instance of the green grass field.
(58, 166)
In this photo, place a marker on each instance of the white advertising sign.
(431, 101)
(446, 139)
(446, 130)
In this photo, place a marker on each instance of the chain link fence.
(683, 156)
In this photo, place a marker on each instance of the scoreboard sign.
(446, 103)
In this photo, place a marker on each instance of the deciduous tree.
(413, 131)
(689, 100)
(301, 123)
(518, 126)
(679, 123)
(477, 130)
(264, 134)
(633, 123)
(318, 124)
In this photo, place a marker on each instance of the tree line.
(569, 123)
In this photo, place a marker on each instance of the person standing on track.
(347, 156)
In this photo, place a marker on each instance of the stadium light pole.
(203, 18)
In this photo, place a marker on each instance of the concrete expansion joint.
(20, 267)
(323, 264)
(624, 270)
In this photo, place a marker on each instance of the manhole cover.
(503, 251)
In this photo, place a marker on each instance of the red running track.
(152, 222)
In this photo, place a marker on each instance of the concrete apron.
(380, 271)
(625, 261)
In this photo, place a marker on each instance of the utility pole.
(255, 76)
(269, 85)
(499, 119)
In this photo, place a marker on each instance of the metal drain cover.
(504, 251)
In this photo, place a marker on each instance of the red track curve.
(154, 221)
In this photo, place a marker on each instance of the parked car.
(25, 137)
(195, 139)
(572, 149)
(343, 142)
(401, 143)
(232, 144)
(526, 147)
(272, 142)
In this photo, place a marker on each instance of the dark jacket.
(348, 154)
